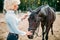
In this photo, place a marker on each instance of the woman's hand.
(28, 33)
(25, 16)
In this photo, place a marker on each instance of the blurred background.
(34, 4)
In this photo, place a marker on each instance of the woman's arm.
(13, 25)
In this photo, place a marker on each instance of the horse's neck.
(43, 6)
(44, 10)
(46, 6)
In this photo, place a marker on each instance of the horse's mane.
(38, 9)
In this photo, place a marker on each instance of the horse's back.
(52, 15)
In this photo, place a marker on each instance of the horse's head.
(34, 21)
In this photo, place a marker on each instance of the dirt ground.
(24, 26)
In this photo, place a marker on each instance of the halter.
(32, 28)
(35, 29)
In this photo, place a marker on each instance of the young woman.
(12, 21)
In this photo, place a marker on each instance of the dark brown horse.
(45, 15)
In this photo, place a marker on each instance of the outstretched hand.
(28, 33)
(24, 16)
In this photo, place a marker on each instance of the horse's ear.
(29, 9)
(37, 11)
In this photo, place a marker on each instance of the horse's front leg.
(47, 32)
(42, 26)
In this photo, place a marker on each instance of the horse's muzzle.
(30, 36)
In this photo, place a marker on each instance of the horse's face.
(33, 23)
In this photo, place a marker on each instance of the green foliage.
(35, 3)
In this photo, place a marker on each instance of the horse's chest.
(43, 19)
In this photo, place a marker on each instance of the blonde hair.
(9, 3)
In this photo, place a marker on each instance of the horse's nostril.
(30, 36)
